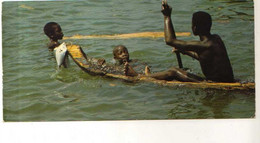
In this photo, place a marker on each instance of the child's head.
(121, 53)
(53, 31)
(201, 23)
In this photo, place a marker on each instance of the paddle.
(179, 59)
(176, 52)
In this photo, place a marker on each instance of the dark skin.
(171, 74)
(210, 51)
(121, 54)
(175, 74)
(55, 36)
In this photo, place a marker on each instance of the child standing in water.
(54, 32)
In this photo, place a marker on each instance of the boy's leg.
(176, 74)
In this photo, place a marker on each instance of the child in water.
(54, 32)
(121, 56)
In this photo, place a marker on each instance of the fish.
(60, 54)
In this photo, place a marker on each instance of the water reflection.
(233, 1)
(210, 103)
(217, 101)
(57, 93)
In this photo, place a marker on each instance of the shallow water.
(34, 90)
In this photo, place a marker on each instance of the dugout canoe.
(80, 58)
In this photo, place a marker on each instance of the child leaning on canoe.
(54, 32)
(210, 51)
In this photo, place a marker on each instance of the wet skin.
(121, 54)
(210, 51)
(56, 35)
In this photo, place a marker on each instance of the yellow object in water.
(126, 36)
(26, 7)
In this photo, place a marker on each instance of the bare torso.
(214, 61)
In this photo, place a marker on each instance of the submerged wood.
(126, 36)
(81, 60)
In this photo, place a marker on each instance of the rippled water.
(34, 90)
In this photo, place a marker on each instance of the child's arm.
(98, 61)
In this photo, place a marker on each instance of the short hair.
(117, 48)
(202, 20)
(48, 28)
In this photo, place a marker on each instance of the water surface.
(34, 90)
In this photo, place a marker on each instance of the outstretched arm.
(169, 32)
(170, 37)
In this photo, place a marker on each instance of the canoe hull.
(80, 59)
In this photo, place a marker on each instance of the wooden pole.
(127, 36)
(179, 59)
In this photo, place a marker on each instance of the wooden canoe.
(80, 58)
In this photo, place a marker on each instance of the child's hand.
(166, 9)
(101, 61)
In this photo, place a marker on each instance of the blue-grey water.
(34, 90)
